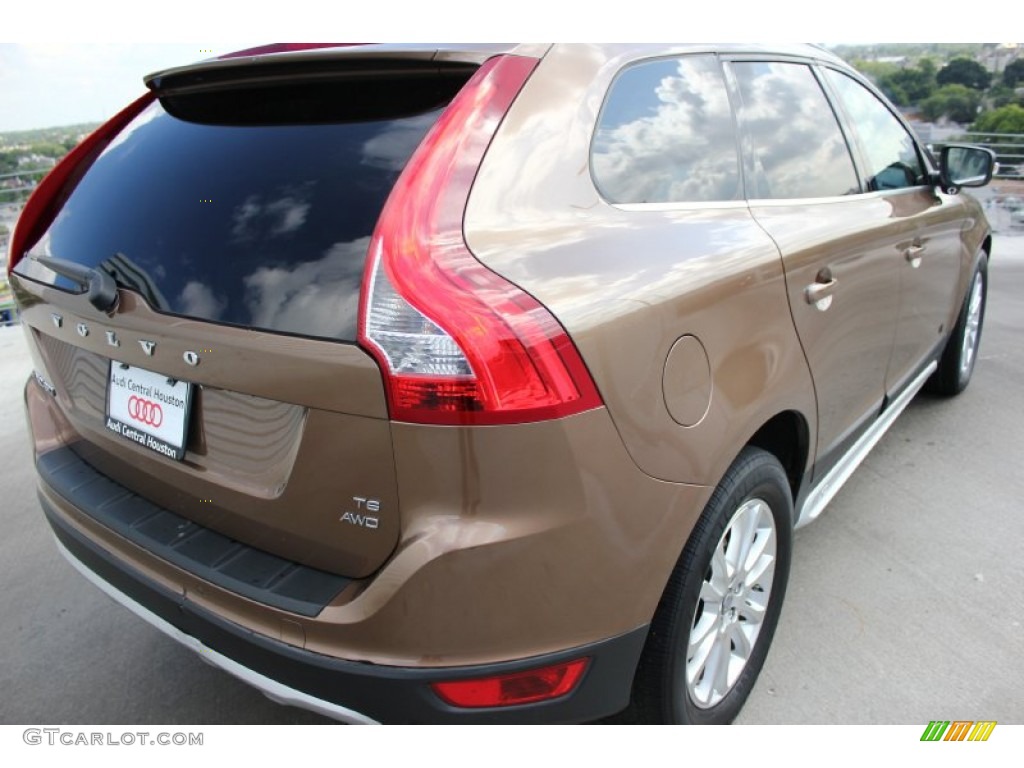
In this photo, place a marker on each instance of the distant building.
(996, 59)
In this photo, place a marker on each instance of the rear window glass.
(258, 217)
(666, 135)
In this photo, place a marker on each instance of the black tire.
(961, 352)
(661, 691)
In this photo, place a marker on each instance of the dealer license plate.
(149, 409)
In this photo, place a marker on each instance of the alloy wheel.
(733, 600)
(973, 325)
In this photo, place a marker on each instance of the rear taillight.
(60, 182)
(457, 343)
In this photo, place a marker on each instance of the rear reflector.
(517, 688)
(457, 343)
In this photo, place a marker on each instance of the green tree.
(957, 102)
(8, 161)
(1013, 74)
(874, 70)
(1002, 95)
(895, 93)
(47, 149)
(966, 72)
(1008, 119)
(911, 85)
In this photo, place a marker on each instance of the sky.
(64, 63)
(48, 84)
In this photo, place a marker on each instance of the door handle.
(913, 255)
(820, 292)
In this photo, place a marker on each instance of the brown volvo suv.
(484, 383)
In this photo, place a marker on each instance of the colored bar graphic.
(958, 730)
(935, 730)
(982, 730)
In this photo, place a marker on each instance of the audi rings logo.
(145, 411)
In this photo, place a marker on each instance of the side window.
(796, 147)
(666, 135)
(893, 161)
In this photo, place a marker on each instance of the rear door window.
(796, 148)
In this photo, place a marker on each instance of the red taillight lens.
(517, 688)
(458, 343)
(60, 182)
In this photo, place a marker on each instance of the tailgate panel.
(291, 478)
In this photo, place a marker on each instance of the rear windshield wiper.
(101, 287)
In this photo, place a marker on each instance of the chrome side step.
(829, 486)
(272, 689)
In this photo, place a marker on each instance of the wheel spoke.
(720, 668)
(745, 534)
(742, 642)
(753, 609)
(706, 628)
(761, 570)
(753, 562)
(700, 652)
(721, 571)
(711, 594)
(703, 685)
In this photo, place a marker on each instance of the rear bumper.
(348, 691)
(497, 571)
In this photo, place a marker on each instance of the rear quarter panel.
(628, 282)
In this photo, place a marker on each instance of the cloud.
(54, 84)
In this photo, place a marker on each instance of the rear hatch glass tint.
(251, 206)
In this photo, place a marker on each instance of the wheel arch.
(786, 436)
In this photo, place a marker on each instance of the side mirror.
(963, 165)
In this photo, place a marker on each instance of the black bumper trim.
(211, 556)
(385, 694)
